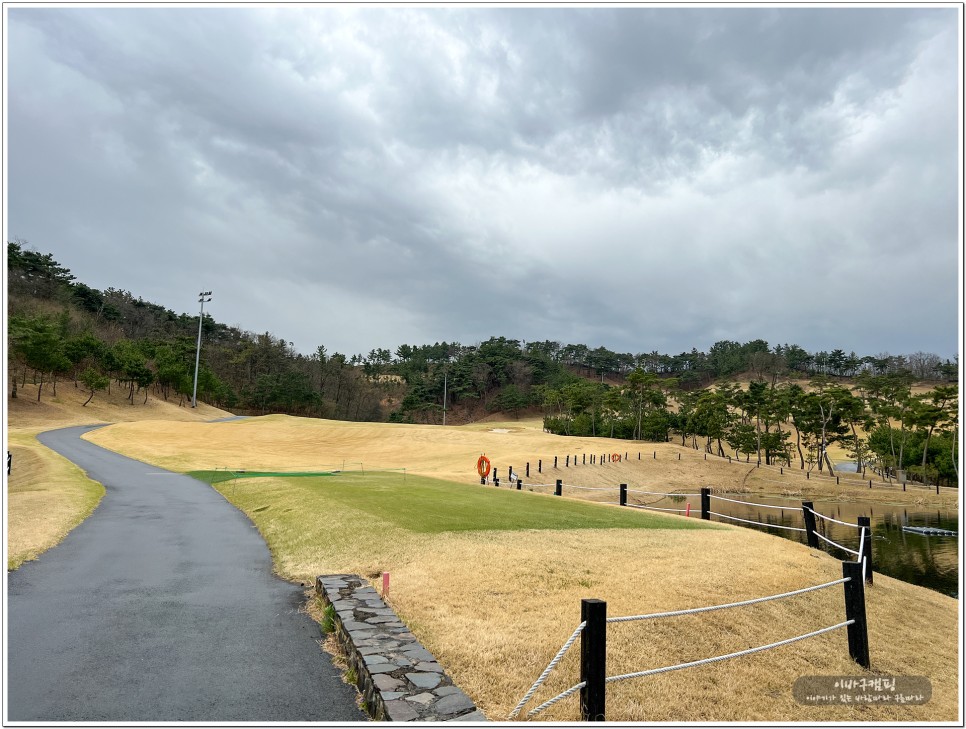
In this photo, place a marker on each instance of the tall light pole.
(445, 376)
(202, 299)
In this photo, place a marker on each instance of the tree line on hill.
(62, 329)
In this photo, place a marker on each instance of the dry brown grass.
(47, 496)
(279, 441)
(495, 606)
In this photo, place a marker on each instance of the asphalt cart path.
(162, 606)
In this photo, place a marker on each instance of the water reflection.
(929, 561)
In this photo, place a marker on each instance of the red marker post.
(687, 511)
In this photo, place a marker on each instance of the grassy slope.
(495, 605)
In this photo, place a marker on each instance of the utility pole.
(445, 376)
(202, 299)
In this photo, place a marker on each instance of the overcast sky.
(637, 178)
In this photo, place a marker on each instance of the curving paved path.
(162, 606)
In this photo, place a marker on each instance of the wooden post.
(623, 494)
(865, 521)
(559, 490)
(655, 455)
(496, 482)
(540, 466)
(625, 458)
(585, 460)
(855, 610)
(706, 504)
(519, 484)
(593, 659)
(809, 524)
(567, 462)
(528, 469)
(495, 479)
(554, 461)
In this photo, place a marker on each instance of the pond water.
(929, 561)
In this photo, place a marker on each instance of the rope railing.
(828, 518)
(760, 523)
(748, 503)
(656, 508)
(743, 603)
(835, 544)
(657, 493)
(547, 704)
(860, 558)
(748, 651)
(546, 672)
(589, 488)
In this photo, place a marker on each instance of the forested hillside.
(798, 402)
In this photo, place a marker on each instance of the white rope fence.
(860, 558)
(763, 506)
(546, 672)
(547, 704)
(657, 493)
(656, 508)
(747, 521)
(834, 544)
(743, 603)
(674, 613)
(666, 669)
(828, 518)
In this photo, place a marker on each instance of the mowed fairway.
(491, 580)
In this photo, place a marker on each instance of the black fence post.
(9, 461)
(558, 491)
(495, 479)
(567, 462)
(855, 610)
(593, 659)
(540, 466)
(519, 484)
(866, 548)
(625, 458)
(496, 482)
(706, 503)
(509, 475)
(623, 494)
(554, 461)
(655, 455)
(528, 469)
(482, 480)
(809, 517)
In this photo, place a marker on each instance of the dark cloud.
(641, 178)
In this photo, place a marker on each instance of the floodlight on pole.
(202, 297)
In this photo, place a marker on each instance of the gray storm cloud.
(638, 178)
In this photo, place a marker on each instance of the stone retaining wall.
(399, 679)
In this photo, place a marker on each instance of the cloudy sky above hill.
(638, 178)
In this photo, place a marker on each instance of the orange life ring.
(616, 457)
(483, 466)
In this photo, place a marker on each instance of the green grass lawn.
(429, 506)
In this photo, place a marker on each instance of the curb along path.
(399, 679)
